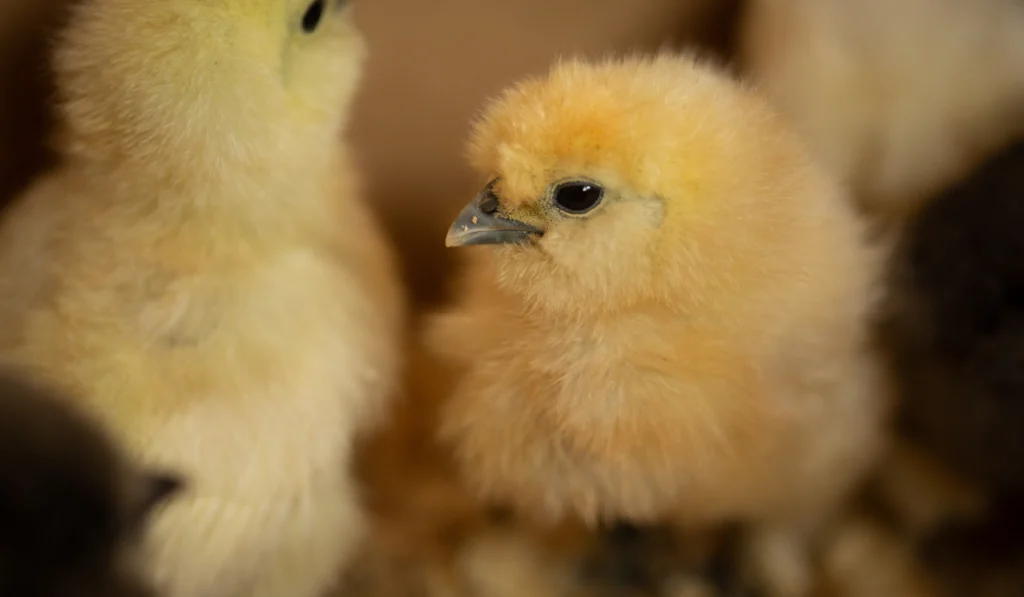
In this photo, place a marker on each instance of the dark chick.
(71, 507)
(954, 327)
(953, 331)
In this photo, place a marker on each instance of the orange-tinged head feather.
(704, 184)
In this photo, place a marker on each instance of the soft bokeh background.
(431, 66)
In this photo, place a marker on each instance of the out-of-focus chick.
(953, 328)
(202, 273)
(72, 506)
(669, 318)
(899, 98)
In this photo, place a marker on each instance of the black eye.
(315, 12)
(577, 197)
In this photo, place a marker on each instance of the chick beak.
(479, 224)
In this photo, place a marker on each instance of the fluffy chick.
(899, 98)
(953, 327)
(202, 273)
(668, 320)
(72, 505)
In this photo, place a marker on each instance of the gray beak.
(478, 224)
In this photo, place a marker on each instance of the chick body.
(692, 348)
(201, 272)
(898, 98)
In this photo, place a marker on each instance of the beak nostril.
(489, 203)
(479, 224)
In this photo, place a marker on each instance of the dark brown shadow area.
(26, 32)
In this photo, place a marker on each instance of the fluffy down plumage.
(668, 317)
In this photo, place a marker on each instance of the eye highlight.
(314, 14)
(577, 197)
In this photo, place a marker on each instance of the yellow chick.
(899, 98)
(202, 271)
(667, 320)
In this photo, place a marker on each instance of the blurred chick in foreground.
(72, 506)
(668, 318)
(953, 329)
(898, 98)
(202, 273)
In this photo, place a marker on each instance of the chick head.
(197, 84)
(659, 264)
(628, 181)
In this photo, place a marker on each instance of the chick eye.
(577, 197)
(315, 12)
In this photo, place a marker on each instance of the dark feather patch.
(70, 506)
(954, 327)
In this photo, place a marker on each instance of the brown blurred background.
(432, 64)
